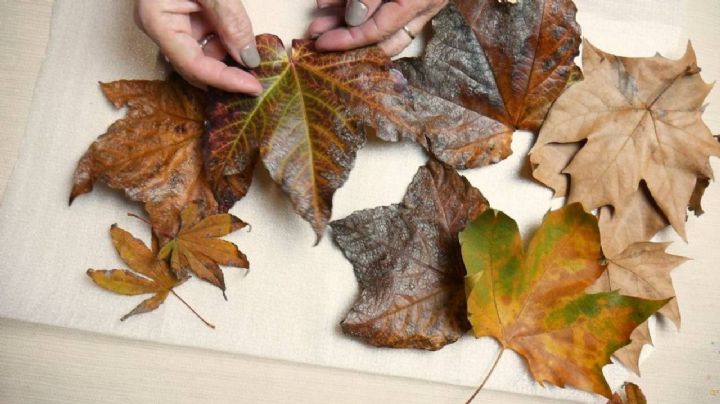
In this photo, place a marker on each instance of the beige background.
(44, 363)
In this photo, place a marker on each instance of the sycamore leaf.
(148, 274)
(641, 270)
(548, 163)
(534, 302)
(407, 261)
(641, 118)
(197, 249)
(633, 395)
(494, 67)
(307, 125)
(154, 154)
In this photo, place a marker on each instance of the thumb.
(234, 29)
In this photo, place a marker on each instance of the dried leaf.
(642, 270)
(148, 274)
(642, 121)
(548, 163)
(407, 261)
(493, 68)
(534, 303)
(307, 125)
(154, 154)
(197, 249)
(633, 395)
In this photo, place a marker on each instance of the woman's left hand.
(392, 25)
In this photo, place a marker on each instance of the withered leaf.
(534, 302)
(307, 125)
(197, 249)
(633, 395)
(154, 154)
(148, 274)
(407, 261)
(641, 118)
(493, 67)
(641, 270)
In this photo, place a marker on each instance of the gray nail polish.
(356, 13)
(250, 56)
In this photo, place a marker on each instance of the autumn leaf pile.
(623, 138)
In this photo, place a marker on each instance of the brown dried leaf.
(148, 274)
(154, 154)
(642, 121)
(197, 249)
(548, 163)
(407, 261)
(633, 395)
(492, 68)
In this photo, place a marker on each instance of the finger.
(190, 61)
(401, 39)
(325, 23)
(358, 11)
(234, 29)
(389, 19)
(330, 3)
(215, 49)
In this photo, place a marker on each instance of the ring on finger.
(407, 31)
(205, 40)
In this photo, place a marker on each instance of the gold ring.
(407, 31)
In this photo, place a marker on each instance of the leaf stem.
(191, 309)
(487, 376)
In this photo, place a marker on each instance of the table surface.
(43, 364)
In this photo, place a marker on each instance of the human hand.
(177, 26)
(392, 25)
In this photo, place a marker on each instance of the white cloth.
(290, 304)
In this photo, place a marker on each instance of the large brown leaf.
(407, 261)
(535, 303)
(154, 154)
(494, 67)
(641, 118)
(307, 125)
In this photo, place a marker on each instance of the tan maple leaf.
(641, 270)
(641, 118)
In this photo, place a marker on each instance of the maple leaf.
(154, 153)
(641, 270)
(406, 258)
(307, 125)
(196, 248)
(534, 302)
(633, 395)
(495, 67)
(641, 118)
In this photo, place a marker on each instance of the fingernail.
(250, 56)
(356, 13)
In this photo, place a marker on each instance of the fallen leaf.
(154, 154)
(307, 125)
(197, 249)
(407, 261)
(148, 274)
(534, 302)
(642, 270)
(633, 395)
(494, 68)
(695, 205)
(642, 121)
(548, 163)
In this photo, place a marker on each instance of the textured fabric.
(290, 304)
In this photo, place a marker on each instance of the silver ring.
(407, 31)
(205, 40)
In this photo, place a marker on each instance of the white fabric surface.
(290, 304)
